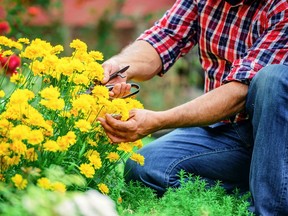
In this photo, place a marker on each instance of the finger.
(120, 126)
(120, 90)
(110, 129)
(109, 68)
(115, 138)
(126, 89)
(114, 135)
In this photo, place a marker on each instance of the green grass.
(193, 198)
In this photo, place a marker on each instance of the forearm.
(209, 108)
(143, 59)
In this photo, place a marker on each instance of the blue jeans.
(252, 154)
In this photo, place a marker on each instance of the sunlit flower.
(71, 137)
(53, 104)
(18, 147)
(23, 40)
(2, 93)
(15, 160)
(78, 45)
(44, 183)
(19, 132)
(92, 152)
(83, 125)
(87, 170)
(58, 186)
(95, 161)
(113, 156)
(103, 188)
(137, 158)
(126, 147)
(50, 93)
(19, 181)
(96, 55)
(31, 155)
(100, 92)
(91, 142)
(51, 146)
(35, 137)
(138, 143)
(4, 149)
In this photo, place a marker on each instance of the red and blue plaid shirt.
(234, 42)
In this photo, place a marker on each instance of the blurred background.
(106, 26)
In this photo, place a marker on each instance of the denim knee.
(269, 86)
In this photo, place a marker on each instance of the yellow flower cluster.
(47, 118)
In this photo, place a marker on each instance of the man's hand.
(140, 124)
(121, 88)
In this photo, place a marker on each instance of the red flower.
(4, 27)
(33, 11)
(10, 64)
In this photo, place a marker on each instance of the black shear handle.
(134, 87)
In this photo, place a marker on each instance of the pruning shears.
(134, 86)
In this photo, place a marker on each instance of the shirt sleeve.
(270, 48)
(175, 33)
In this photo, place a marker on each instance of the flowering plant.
(47, 119)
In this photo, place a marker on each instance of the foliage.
(47, 118)
(192, 198)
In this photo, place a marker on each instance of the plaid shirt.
(234, 42)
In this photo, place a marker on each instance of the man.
(237, 132)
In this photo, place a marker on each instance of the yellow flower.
(80, 79)
(103, 188)
(57, 49)
(95, 161)
(126, 147)
(118, 106)
(94, 71)
(7, 53)
(92, 152)
(50, 93)
(2, 93)
(23, 40)
(38, 68)
(31, 155)
(35, 137)
(5, 126)
(44, 183)
(87, 170)
(54, 104)
(36, 49)
(4, 149)
(78, 45)
(113, 156)
(133, 103)
(51, 146)
(137, 158)
(100, 92)
(83, 103)
(15, 160)
(19, 132)
(138, 144)
(91, 142)
(18, 147)
(96, 55)
(71, 137)
(58, 186)
(20, 96)
(19, 181)
(83, 125)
